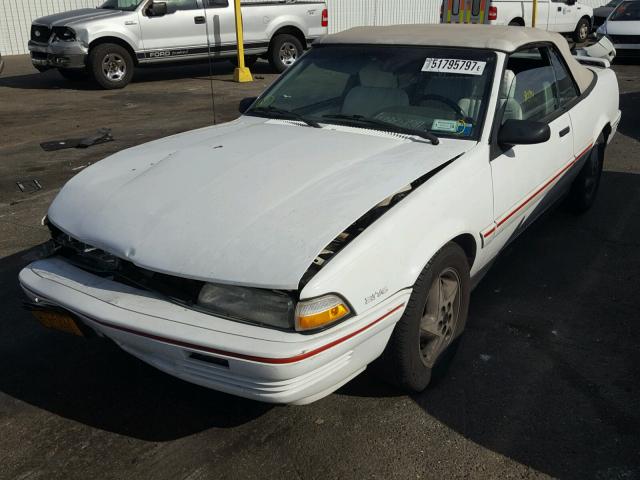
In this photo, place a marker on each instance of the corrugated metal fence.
(16, 15)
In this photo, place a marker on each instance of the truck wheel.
(284, 51)
(111, 65)
(74, 74)
(516, 22)
(581, 32)
(585, 187)
(424, 340)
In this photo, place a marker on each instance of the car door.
(563, 16)
(525, 177)
(222, 28)
(181, 32)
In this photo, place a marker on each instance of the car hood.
(251, 202)
(83, 15)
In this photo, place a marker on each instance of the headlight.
(64, 33)
(254, 305)
(320, 312)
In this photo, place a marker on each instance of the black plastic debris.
(29, 186)
(101, 136)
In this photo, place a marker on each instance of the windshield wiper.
(282, 113)
(389, 126)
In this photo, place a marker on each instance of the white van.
(568, 16)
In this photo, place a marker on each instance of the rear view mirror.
(245, 103)
(523, 132)
(157, 9)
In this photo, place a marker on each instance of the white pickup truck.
(108, 42)
(562, 16)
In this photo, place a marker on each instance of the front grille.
(40, 33)
(624, 39)
(101, 263)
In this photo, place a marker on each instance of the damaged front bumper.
(58, 54)
(248, 361)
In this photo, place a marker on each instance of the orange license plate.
(58, 321)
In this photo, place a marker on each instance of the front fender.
(390, 254)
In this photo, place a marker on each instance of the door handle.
(564, 131)
(199, 19)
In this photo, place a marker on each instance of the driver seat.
(378, 91)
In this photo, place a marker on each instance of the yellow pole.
(241, 73)
(533, 13)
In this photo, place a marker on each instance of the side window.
(216, 3)
(531, 94)
(175, 5)
(565, 87)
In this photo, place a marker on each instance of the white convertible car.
(345, 216)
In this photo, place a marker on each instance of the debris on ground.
(101, 136)
(29, 186)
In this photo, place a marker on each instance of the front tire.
(111, 66)
(585, 187)
(581, 33)
(284, 51)
(424, 340)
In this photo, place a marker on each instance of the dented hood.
(250, 202)
(65, 19)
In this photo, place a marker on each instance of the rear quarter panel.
(598, 109)
(268, 19)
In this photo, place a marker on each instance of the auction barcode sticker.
(454, 65)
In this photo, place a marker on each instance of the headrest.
(508, 84)
(372, 76)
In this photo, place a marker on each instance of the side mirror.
(245, 103)
(157, 9)
(523, 132)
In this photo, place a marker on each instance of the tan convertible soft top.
(492, 37)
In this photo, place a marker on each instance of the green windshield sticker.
(457, 127)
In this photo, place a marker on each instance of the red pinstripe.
(242, 356)
(537, 192)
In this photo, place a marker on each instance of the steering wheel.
(448, 102)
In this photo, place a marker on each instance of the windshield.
(626, 11)
(414, 89)
(613, 3)
(128, 5)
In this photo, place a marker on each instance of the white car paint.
(217, 194)
(156, 206)
(615, 30)
(555, 16)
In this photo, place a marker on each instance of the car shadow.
(93, 382)
(547, 373)
(630, 122)
(52, 80)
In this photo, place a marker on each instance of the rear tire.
(284, 51)
(516, 22)
(585, 187)
(581, 33)
(425, 339)
(74, 74)
(111, 66)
